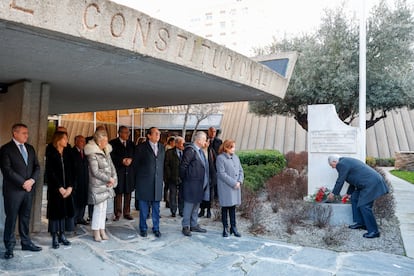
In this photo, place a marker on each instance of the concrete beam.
(98, 55)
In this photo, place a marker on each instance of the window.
(222, 24)
(209, 16)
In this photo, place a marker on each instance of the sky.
(283, 18)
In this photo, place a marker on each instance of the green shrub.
(370, 161)
(259, 157)
(385, 162)
(259, 166)
(256, 175)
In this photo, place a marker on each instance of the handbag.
(101, 197)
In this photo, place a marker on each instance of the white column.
(362, 80)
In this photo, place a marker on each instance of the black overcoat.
(59, 174)
(81, 177)
(126, 175)
(172, 167)
(192, 175)
(149, 170)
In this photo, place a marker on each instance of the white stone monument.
(328, 135)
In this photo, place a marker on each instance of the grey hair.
(99, 135)
(178, 139)
(200, 135)
(333, 158)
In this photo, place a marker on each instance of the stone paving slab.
(127, 253)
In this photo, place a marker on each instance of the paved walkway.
(404, 197)
(126, 253)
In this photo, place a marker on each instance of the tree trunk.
(187, 112)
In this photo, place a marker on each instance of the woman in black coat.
(59, 192)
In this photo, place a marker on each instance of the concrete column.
(27, 102)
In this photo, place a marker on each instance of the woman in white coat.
(102, 180)
(229, 179)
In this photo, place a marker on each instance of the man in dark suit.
(122, 153)
(215, 142)
(194, 173)
(149, 168)
(81, 171)
(20, 168)
(172, 175)
(365, 185)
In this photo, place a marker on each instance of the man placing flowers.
(365, 185)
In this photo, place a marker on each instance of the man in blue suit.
(149, 167)
(194, 174)
(20, 168)
(365, 185)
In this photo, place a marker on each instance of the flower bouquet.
(322, 193)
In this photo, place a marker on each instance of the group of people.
(193, 175)
(96, 169)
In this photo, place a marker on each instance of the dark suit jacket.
(360, 176)
(215, 145)
(81, 176)
(192, 173)
(149, 172)
(172, 166)
(14, 169)
(126, 176)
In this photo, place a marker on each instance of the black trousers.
(17, 205)
(176, 198)
(232, 213)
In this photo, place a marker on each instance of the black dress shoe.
(55, 242)
(371, 235)
(83, 222)
(157, 234)
(208, 214)
(198, 229)
(186, 231)
(225, 234)
(116, 218)
(201, 214)
(62, 239)
(357, 226)
(173, 215)
(8, 254)
(31, 247)
(128, 217)
(143, 234)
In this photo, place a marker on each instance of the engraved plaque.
(338, 141)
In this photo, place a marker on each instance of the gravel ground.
(338, 238)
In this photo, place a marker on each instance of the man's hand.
(28, 184)
(237, 186)
(127, 161)
(331, 197)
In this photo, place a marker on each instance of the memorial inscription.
(337, 141)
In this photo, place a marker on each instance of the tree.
(200, 112)
(327, 68)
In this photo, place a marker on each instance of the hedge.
(259, 166)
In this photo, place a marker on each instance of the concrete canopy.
(98, 55)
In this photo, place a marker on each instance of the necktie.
(124, 143)
(24, 153)
(180, 154)
(81, 153)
